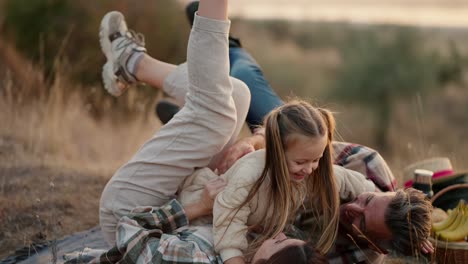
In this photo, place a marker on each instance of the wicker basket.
(450, 252)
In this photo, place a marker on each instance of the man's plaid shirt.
(160, 235)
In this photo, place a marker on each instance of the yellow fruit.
(458, 234)
(460, 218)
(437, 227)
(453, 218)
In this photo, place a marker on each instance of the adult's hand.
(212, 188)
(204, 206)
(233, 153)
(426, 247)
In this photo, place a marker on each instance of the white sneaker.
(118, 44)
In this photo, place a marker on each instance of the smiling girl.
(267, 187)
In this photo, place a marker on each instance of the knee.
(241, 97)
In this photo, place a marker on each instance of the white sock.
(133, 61)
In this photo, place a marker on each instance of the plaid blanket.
(366, 161)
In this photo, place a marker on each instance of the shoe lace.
(131, 37)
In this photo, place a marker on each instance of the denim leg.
(264, 99)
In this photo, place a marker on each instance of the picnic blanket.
(53, 251)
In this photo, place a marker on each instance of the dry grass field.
(51, 181)
(55, 159)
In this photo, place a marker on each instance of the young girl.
(267, 187)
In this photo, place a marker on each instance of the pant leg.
(244, 68)
(200, 130)
(264, 99)
(175, 85)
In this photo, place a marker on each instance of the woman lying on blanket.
(297, 160)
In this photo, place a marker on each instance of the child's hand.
(212, 188)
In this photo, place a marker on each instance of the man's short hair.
(408, 217)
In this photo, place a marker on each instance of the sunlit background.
(446, 13)
(394, 72)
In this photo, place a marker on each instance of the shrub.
(380, 68)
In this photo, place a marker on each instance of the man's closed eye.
(279, 241)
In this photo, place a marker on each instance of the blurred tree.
(451, 69)
(378, 69)
(38, 27)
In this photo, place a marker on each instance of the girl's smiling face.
(303, 154)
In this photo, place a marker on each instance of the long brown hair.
(297, 117)
(303, 254)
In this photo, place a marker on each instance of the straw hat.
(443, 176)
(442, 169)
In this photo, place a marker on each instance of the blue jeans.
(264, 99)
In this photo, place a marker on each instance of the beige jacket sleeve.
(351, 183)
(192, 188)
(229, 223)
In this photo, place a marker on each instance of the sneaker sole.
(110, 80)
(108, 72)
(104, 34)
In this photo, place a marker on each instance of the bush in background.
(379, 69)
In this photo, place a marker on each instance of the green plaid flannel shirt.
(160, 235)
